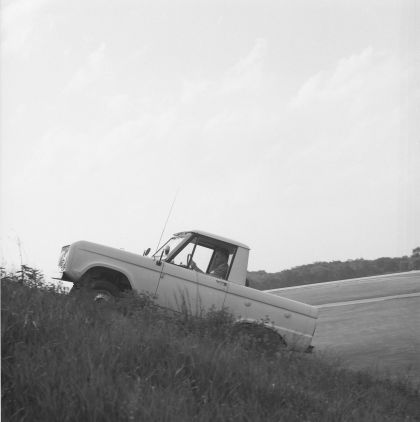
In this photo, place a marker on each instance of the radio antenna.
(167, 218)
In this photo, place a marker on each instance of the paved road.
(369, 323)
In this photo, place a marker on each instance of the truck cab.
(199, 247)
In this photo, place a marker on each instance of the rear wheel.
(254, 335)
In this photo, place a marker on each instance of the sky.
(290, 126)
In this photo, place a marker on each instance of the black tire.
(105, 291)
(254, 335)
(99, 291)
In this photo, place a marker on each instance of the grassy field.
(66, 359)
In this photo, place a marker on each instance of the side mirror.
(146, 252)
(159, 261)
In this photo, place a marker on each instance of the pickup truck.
(182, 274)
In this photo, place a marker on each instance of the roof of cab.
(214, 236)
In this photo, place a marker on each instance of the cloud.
(93, 69)
(18, 21)
(243, 77)
(340, 146)
(356, 108)
(192, 89)
(352, 78)
(246, 74)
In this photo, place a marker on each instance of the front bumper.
(63, 276)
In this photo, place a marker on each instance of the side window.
(209, 257)
(182, 257)
(221, 261)
(202, 257)
(230, 257)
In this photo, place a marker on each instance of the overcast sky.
(291, 126)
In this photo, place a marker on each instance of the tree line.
(319, 272)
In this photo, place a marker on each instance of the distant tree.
(415, 259)
(387, 265)
(404, 264)
(329, 271)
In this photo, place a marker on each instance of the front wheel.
(99, 291)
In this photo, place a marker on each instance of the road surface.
(368, 323)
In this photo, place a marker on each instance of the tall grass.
(66, 359)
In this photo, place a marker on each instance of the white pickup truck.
(187, 271)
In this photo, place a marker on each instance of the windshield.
(173, 242)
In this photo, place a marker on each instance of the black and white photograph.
(210, 210)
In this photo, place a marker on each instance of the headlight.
(63, 258)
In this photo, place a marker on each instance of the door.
(211, 293)
(182, 288)
(211, 290)
(177, 288)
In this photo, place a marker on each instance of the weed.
(67, 359)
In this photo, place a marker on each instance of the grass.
(66, 359)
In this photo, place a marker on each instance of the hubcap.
(102, 297)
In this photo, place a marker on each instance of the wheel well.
(115, 277)
(258, 328)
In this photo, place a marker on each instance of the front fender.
(141, 272)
